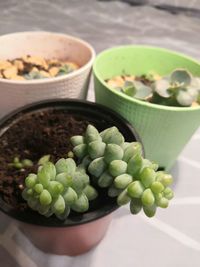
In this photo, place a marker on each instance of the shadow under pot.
(45, 128)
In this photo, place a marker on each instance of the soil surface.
(36, 135)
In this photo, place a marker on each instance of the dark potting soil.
(35, 135)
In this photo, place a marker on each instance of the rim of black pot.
(83, 109)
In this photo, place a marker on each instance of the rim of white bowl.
(53, 79)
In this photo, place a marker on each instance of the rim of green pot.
(134, 100)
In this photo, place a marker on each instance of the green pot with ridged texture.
(164, 130)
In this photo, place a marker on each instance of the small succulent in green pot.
(179, 89)
(106, 161)
(157, 91)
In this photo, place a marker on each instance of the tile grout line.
(193, 163)
(173, 233)
(13, 249)
(185, 201)
(196, 137)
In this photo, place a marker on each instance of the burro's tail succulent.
(59, 188)
(105, 161)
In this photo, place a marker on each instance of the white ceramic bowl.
(49, 45)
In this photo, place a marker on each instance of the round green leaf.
(181, 76)
(117, 167)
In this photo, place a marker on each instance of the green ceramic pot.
(164, 130)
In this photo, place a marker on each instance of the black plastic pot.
(102, 118)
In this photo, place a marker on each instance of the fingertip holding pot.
(164, 130)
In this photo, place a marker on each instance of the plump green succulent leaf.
(63, 216)
(50, 168)
(55, 188)
(143, 91)
(31, 180)
(157, 187)
(43, 210)
(70, 196)
(30, 192)
(162, 202)
(97, 167)
(86, 161)
(81, 204)
(122, 181)
(58, 206)
(135, 165)
(193, 92)
(184, 98)
(90, 192)
(149, 164)
(38, 188)
(181, 76)
(148, 198)
(147, 176)
(117, 167)
(64, 178)
(16, 160)
(27, 163)
(168, 193)
(65, 165)
(125, 145)
(80, 181)
(77, 140)
(150, 210)
(70, 154)
(113, 152)
(33, 75)
(113, 191)
(47, 173)
(195, 83)
(131, 150)
(165, 178)
(105, 180)
(112, 136)
(25, 195)
(135, 205)
(96, 149)
(92, 134)
(44, 159)
(129, 88)
(33, 203)
(49, 213)
(123, 198)
(158, 196)
(80, 150)
(65, 69)
(45, 198)
(135, 189)
(161, 87)
(105, 134)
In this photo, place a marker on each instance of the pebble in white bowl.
(16, 93)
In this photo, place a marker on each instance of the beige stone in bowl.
(16, 93)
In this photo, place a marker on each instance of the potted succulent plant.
(30, 73)
(62, 178)
(157, 91)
